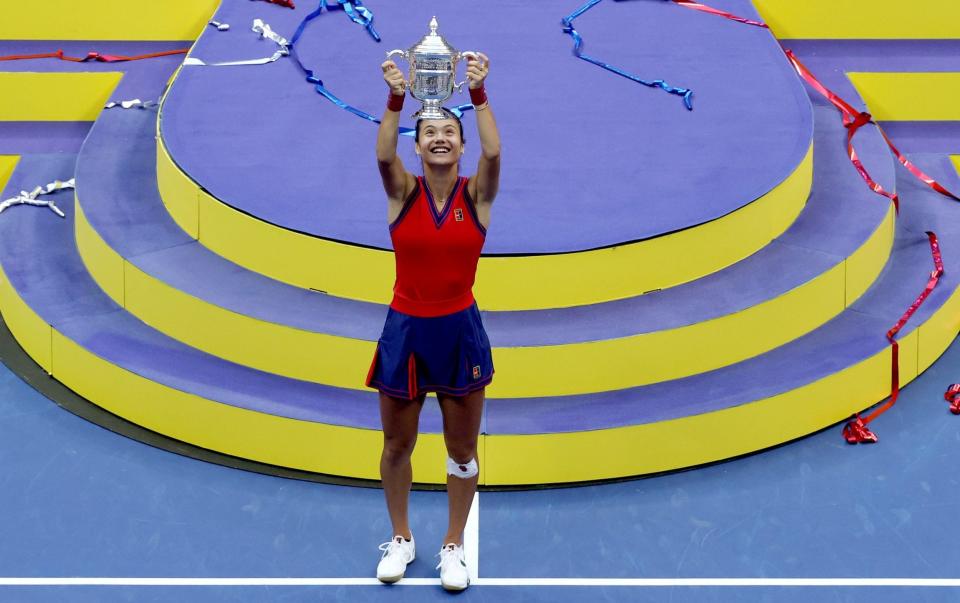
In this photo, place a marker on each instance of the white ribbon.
(220, 26)
(129, 104)
(264, 31)
(25, 198)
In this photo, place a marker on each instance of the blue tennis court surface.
(81, 502)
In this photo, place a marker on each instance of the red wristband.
(395, 102)
(478, 96)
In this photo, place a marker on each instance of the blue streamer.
(459, 109)
(568, 28)
(360, 15)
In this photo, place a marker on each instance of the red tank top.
(436, 252)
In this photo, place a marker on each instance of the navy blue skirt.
(444, 354)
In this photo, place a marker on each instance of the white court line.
(632, 582)
(471, 539)
(745, 582)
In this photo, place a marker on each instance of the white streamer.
(25, 198)
(129, 104)
(220, 26)
(265, 31)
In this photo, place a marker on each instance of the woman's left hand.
(477, 70)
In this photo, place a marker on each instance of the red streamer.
(953, 397)
(93, 56)
(718, 12)
(852, 125)
(917, 172)
(856, 431)
(854, 120)
(284, 3)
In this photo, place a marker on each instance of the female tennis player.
(433, 339)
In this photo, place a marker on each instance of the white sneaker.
(396, 555)
(453, 568)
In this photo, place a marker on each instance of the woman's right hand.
(394, 78)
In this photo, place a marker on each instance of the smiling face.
(439, 141)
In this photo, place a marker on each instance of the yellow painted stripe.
(8, 163)
(102, 262)
(939, 330)
(868, 19)
(698, 439)
(105, 19)
(507, 460)
(40, 96)
(31, 332)
(910, 96)
(280, 441)
(300, 260)
(664, 355)
(550, 281)
(503, 283)
(672, 354)
(521, 371)
(274, 348)
(180, 195)
(862, 265)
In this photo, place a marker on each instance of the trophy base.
(432, 111)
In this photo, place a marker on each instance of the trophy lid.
(433, 43)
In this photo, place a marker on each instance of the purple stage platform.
(615, 162)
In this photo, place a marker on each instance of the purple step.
(855, 335)
(924, 136)
(831, 60)
(41, 137)
(38, 246)
(117, 189)
(42, 263)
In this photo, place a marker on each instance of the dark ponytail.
(449, 115)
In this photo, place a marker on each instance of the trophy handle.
(477, 56)
(396, 52)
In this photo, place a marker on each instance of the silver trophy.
(433, 68)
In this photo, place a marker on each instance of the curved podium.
(662, 288)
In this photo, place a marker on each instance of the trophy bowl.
(433, 67)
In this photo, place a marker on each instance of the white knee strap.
(462, 470)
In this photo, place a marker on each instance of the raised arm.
(397, 182)
(484, 186)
